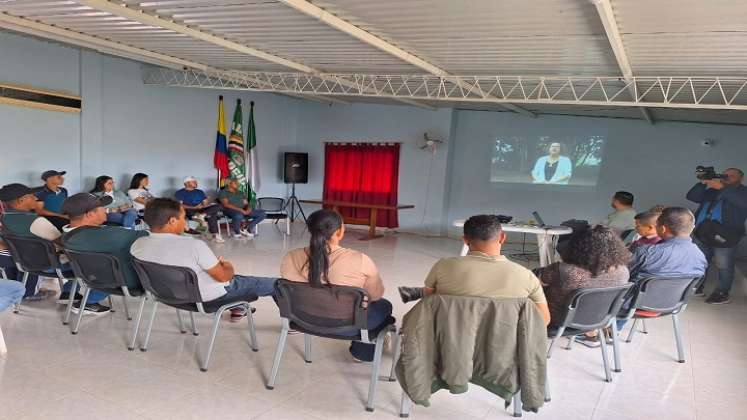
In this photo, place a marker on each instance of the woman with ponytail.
(325, 262)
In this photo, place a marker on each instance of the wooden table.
(370, 221)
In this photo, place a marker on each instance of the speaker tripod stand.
(294, 203)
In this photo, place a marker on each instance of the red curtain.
(365, 173)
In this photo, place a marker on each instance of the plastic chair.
(330, 312)
(662, 296)
(34, 255)
(177, 287)
(275, 209)
(102, 271)
(586, 310)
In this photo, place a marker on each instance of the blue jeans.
(379, 313)
(11, 271)
(241, 285)
(125, 218)
(11, 292)
(254, 218)
(94, 297)
(723, 259)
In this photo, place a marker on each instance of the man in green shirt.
(236, 207)
(483, 271)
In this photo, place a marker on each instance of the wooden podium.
(370, 221)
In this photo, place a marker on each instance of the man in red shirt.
(645, 226)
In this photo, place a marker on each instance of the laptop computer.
(538, 218)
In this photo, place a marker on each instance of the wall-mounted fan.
(429, 143)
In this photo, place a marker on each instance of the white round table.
(545, 238)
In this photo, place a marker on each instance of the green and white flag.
(236, 162)
(251, 149)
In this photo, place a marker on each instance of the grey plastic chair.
(275, 209)
(666, 296)
(330, 312)
(33, 255)
(102, 271)
(586, 310)
(177, 287)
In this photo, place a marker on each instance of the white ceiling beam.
(137, 15)
(146, 19)
(606, 14)
(30, 27)
(342, 25)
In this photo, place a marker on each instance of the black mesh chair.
(33, 255)
(275, 209)
(586, 310)
(101, 271)
(177, 287)
(662, 296)
(330, 312)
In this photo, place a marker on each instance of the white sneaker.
(237, 236)
(218, 239)
(247, 234)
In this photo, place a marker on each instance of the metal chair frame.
(361, 313)
(150, 294)
(276, 212)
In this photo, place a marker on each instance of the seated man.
(236, 206)
(51, 196)
(166, 245)
(19, 218)
(623, 218)
(675, 256)
(483, 271)
(195, 202)
(87, 233)
(645, 227)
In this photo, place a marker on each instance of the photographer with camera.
(719, 222)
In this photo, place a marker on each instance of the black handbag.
(715, 234)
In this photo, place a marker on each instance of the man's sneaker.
(718, 298)
(591, 342)
(42, 294)
(408, 294)
(246, 233)
(218, 239)
(237, 314)
(64, 298)
(91, 309)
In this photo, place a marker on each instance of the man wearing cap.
(196, 203)
(51, 196)
(87, 233)
(20, 219)
(236, 206)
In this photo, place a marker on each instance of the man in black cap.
(86, 233)
(51, 196)
(19, 218)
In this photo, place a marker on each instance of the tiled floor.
(52, 374)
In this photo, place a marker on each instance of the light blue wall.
(422, 175)
(655, 163)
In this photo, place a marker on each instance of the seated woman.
(326, 262)
(594, 258)
(121, 210)
(138, 192)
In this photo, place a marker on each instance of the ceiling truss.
(658, 92)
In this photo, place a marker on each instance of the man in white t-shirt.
(21, 219)
(215, 276)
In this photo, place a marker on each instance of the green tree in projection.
(588, 153)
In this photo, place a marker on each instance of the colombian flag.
(220, 156)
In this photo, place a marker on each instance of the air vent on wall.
(38, 98)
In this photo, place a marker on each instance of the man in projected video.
(553, 168)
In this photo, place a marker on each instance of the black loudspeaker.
(296, 168)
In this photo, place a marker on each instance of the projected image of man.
(554, 168)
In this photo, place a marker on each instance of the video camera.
(705, 173)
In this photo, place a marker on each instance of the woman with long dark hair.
(597, 258)
(121, 210)
(138, 192)
(325, 262)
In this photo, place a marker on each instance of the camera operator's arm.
(697, 193)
